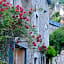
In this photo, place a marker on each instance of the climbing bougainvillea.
(43, 49)
(15, 22)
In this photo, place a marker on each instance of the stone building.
(23, 54)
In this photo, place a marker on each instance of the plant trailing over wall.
(15, 22)
(51, 53)
(43, 49)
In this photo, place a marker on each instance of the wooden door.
(19, 56)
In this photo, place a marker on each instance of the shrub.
(51, 52)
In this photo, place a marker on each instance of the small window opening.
(35, 60)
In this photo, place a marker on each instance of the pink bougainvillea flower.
(26, 26)
(33, 26)
(12, 7)
(16, 15)
(13, 16)
(17, 10)
(31, 9)
(17, 6)
(38, 40)
(27, 19)
(35, 44)
(30, 12)
(4, 4)
(33, 36)
(1, 15)
(13, 49)
(2, 10)
(21, 10)
(24, 17)
(45, 47)
(6, 8)
(21, 17)
(37, 37)
(4, 0)
(40, 36)
(24, 12)
(35, 10)
(10, 45)
(12, 23)
(18, 26)
(21, 14)
(30, 32)
(8, 3)
(0, 2)
(19, 22)
(40, 48)
(17, 41)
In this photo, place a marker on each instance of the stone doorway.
(19, 56)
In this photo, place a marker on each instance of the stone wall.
(52, 28)
(41, 20)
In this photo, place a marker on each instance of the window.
(37, 23)
(42, 59)
(35, 60)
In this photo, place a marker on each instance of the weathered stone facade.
(41, 20)
(52, 28)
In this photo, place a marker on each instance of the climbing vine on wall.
(15, 22)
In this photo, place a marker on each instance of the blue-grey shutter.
(11, 53)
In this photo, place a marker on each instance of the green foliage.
(56, 14)
(3, 62)
(52, 4)
(51, 52)
(61, 1)
(57, 39)
(16, 22)
(56, 17)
